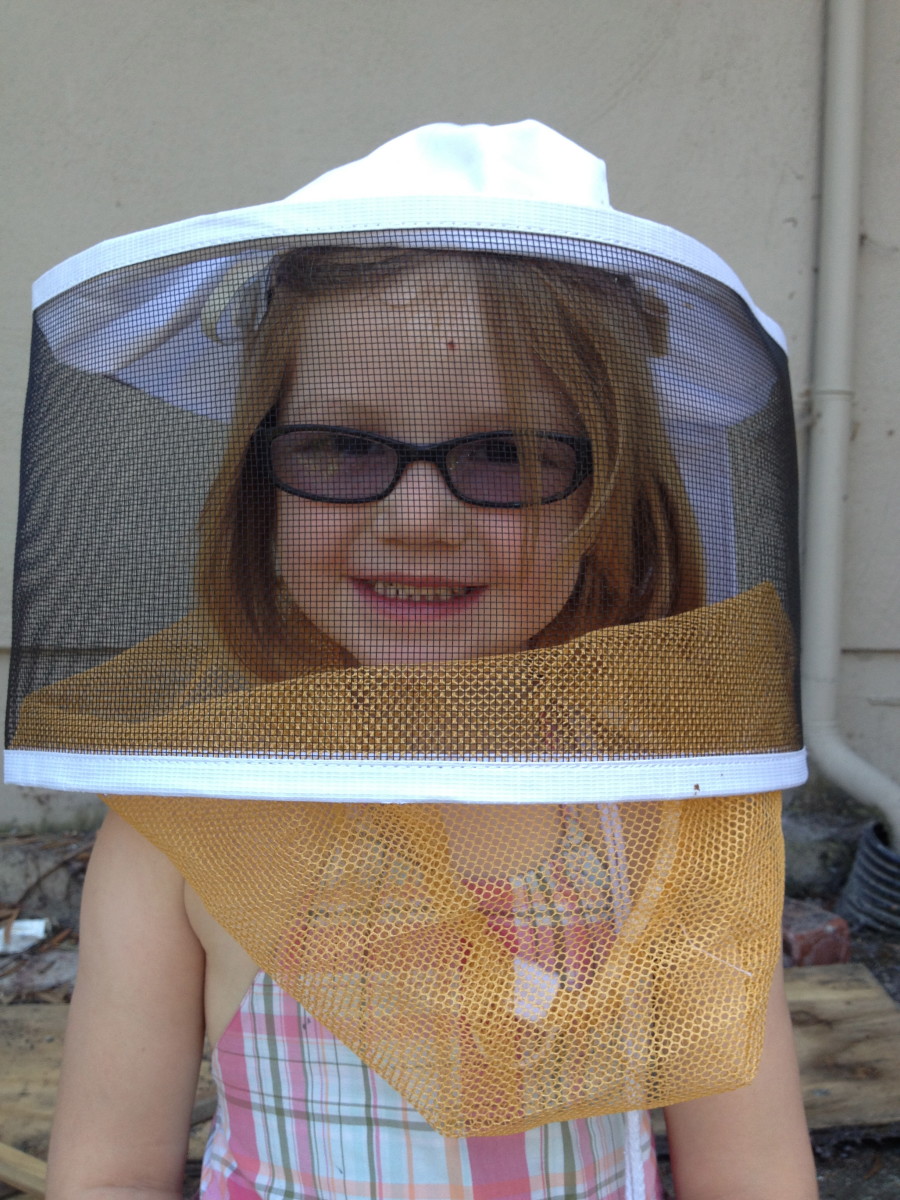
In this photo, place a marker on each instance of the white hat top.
(525, 161)
(438, 186)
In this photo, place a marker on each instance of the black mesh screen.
(243, 468)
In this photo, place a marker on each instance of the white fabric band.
(406, 781)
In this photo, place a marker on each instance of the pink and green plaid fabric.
(301, 1117)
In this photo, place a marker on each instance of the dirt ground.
(41, 876)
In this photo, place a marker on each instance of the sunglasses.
(502, 469)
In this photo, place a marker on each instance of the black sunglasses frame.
(433, 452)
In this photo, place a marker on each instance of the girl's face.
(420, 576)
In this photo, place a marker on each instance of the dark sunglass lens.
(332, 466)
(498, 469)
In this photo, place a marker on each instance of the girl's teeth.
(405, 591)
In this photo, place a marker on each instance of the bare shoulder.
(752, 1143)
(134, 925)
(135, 1027)
(123, 863)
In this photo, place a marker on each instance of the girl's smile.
(419, 598)
(420, 575)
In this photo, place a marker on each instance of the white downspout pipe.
(832, 398)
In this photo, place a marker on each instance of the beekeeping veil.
(522, 856)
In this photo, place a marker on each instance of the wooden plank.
(845, 988)
(31, 1039)
(847, 1033)
(23, 1171)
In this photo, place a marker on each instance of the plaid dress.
(301, 1117)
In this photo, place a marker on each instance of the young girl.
(454, 531)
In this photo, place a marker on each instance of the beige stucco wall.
(122, 114)
(870, 686)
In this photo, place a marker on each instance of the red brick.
(812, 936)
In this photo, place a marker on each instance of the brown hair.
(591, 332)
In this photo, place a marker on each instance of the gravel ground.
(41, 875)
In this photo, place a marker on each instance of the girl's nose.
(421, 509)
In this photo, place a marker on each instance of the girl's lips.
(405, 598)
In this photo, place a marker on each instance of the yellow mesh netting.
(500, 966)
(716, 680)
(505, 967)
